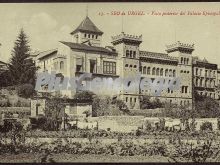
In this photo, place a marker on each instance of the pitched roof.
(78, 46)
(87, 26)
(155, 55)
(46, 53)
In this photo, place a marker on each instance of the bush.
(26, 90)
(206, 126)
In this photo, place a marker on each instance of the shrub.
(26, 90)
(206, 126)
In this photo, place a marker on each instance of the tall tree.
(22, 68)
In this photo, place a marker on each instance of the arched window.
(61, 65)
(127, 53)
(197, 82)
(170, 73)
(130, 66)
(153, 71)
(148, 70)
(135, 66)
(187, 61)
(184, 61)
(140, 69)
(166, 72)
(200, 83)
(126, 65)
(144, 70)
(130, 53)
(174, 73)
(157, 71)
(181, 60)
(206, 83)
(161, 72)
(134, 54)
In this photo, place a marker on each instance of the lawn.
(35, 158)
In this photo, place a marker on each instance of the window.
(161, 72)
(200, 83)
(92, 36)
(61, 65)
(89, 36)
(130, 66)
(85, 35)
(153, 71)
(134, 54)
(166, 72)
(197, 82)
(130, 53)
(196, 71)
(187, 61)
(186, 89)
(135, 66)
(126, 65)
(109, 67)
(157, 71)
(79, 64)
(92, 66)
(206, 73)
(140, 69)
(170, 73)
(135, 100)
(174, 73)
(184, 61)
(144, 70)
(127, 53)
(126, 99)
(181, 60)
(182, 89)
(148, 70)
(96, 36)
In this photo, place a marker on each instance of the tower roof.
(87, 26)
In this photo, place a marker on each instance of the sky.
(48, 23)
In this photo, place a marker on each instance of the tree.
(54, 112)
(146, 103)
(21, 67)
(84, 96)
(206, 106)
(26, 90)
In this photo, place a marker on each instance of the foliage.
(146, 103)
(26, 90)
(206, 107)
(21, 68)
(206, 126)
(4, 78)
(82, 96)
(54, 112)
(106, 106)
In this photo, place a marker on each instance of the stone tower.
(183, 52)
(88, 33)
(127, 47)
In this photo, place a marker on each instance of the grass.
(35, 158)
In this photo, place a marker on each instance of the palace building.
(124, 59)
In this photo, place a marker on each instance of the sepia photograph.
(110, 82)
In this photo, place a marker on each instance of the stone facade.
(124, 59)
